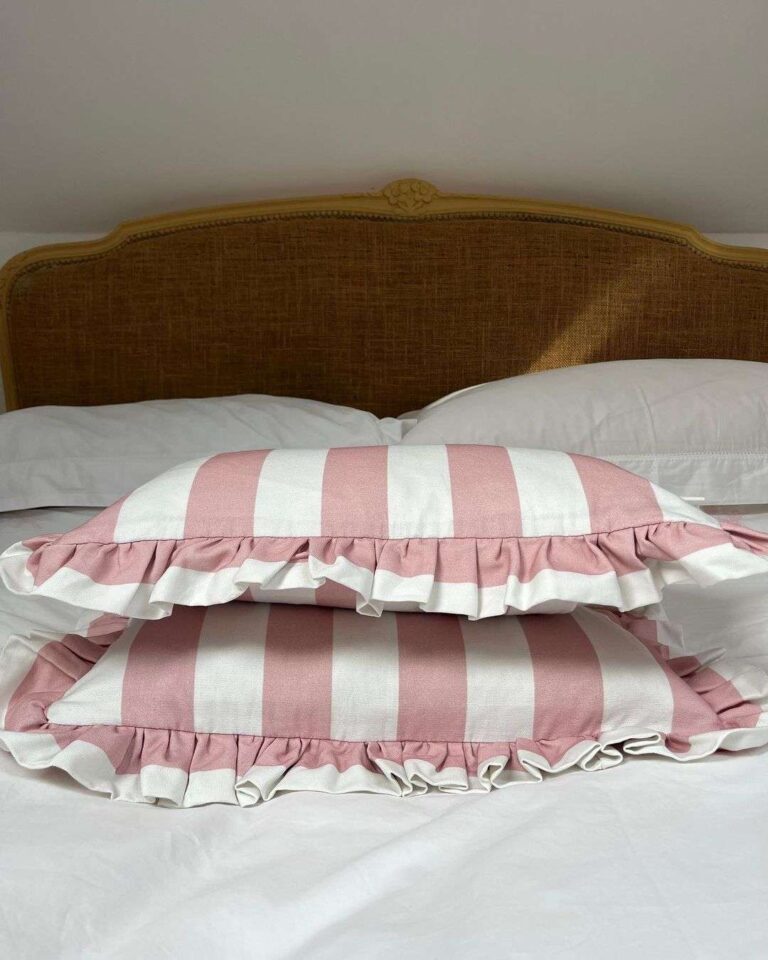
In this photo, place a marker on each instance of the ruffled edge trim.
(246, 770)
(624, 569)
(401, 768)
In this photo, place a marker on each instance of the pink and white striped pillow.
(475, 530)
(240, 702)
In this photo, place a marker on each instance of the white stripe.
(98, 696)
(229, 670)
(675, 508)
(500, 684)
(636, 691)
(366, 677)
(158, 510)
(552, 498)
(289, 498)
(419, 497)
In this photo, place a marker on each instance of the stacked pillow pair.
(450, 616)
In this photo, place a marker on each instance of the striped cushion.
(476, 530)
(239, 702)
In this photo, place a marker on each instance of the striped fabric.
(243, 701)
(476, 530)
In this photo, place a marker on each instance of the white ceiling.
(118, 108)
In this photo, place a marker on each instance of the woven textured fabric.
(476, 530)
(239, 702)
(377, 313)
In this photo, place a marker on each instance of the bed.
(384, 302)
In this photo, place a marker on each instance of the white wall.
(12, 243)
(113, 109)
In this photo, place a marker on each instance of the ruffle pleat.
(624, 569)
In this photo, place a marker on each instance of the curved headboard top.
(382, 301)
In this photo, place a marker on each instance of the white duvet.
(650, 859)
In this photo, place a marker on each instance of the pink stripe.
(615, 496)
(355, 492)
(484, 492)
(433, 677)
(55, 668)
(100, 529)
(691, 715)
(223, 495)
(106, 625)
(725, 699)
(567, 678)
(298, 672)
(216, 751)
(755, 541)
(160, 748)
(690, 712)
(159, 679)
(331, 594)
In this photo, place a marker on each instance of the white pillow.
(91, 456)
(696, 427)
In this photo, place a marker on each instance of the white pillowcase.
(91, 456)
(696, 427)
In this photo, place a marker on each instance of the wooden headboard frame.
(383, 300)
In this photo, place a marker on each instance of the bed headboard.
(382, 301)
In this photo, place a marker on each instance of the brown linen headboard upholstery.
(383, 301)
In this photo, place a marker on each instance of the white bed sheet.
(649, 859)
